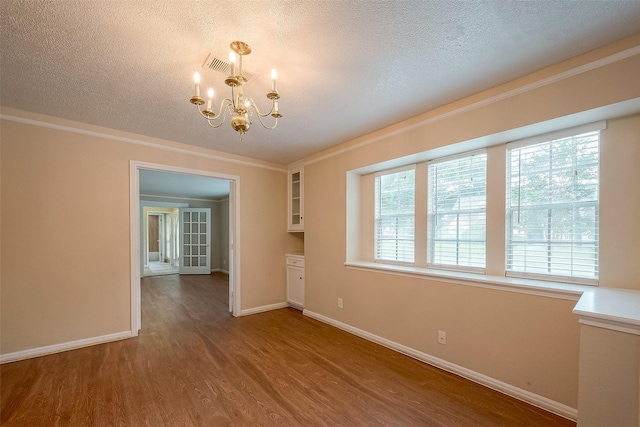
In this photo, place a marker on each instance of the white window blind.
(394, 215)
(456, 236)
(552, 208)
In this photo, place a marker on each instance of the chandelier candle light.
(238, 107)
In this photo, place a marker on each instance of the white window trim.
(538, 139)
(447, 267)
(457, 156)
(391, 262)
(564, 133)
(385, 172)
(411, 166)
(462, 269)
(553, 278)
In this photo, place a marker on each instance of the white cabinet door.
(295, 280)
(195, 241)
(295, 286)
(295, 186)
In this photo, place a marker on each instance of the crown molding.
(135, 141)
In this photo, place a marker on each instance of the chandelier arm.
(255, 107)
(228, 107)
(216, 125)
(213, 116)
(262, 123)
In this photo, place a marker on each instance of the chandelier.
(240, 107)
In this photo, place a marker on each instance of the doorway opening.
(161, 250)
(184, 232)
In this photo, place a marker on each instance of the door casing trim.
(134, 222)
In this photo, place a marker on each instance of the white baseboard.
(295, 305)
(219, 270)
(515, 392)
(58, 348)
(263, 308)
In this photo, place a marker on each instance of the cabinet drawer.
(299, 262)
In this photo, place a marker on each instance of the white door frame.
(135, 230)
(175, 238)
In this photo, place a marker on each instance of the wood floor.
(195, 365)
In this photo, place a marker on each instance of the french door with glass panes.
(195, 241)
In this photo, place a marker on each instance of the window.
(546, 210)
(552, 208)
(394, 215)
(456, 232)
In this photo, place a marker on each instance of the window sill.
(558, 290)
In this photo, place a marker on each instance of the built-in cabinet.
(295, 209)
(295, 280)
(295, 223)
(608, 380)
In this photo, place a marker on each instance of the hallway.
(157, 268)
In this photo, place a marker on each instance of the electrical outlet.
(339, 302)
(442, 337)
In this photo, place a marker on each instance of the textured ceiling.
(344, 68)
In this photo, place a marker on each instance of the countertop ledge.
(610, 308)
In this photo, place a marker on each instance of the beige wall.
(65, 230)
(620, 204)
(530, 342)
